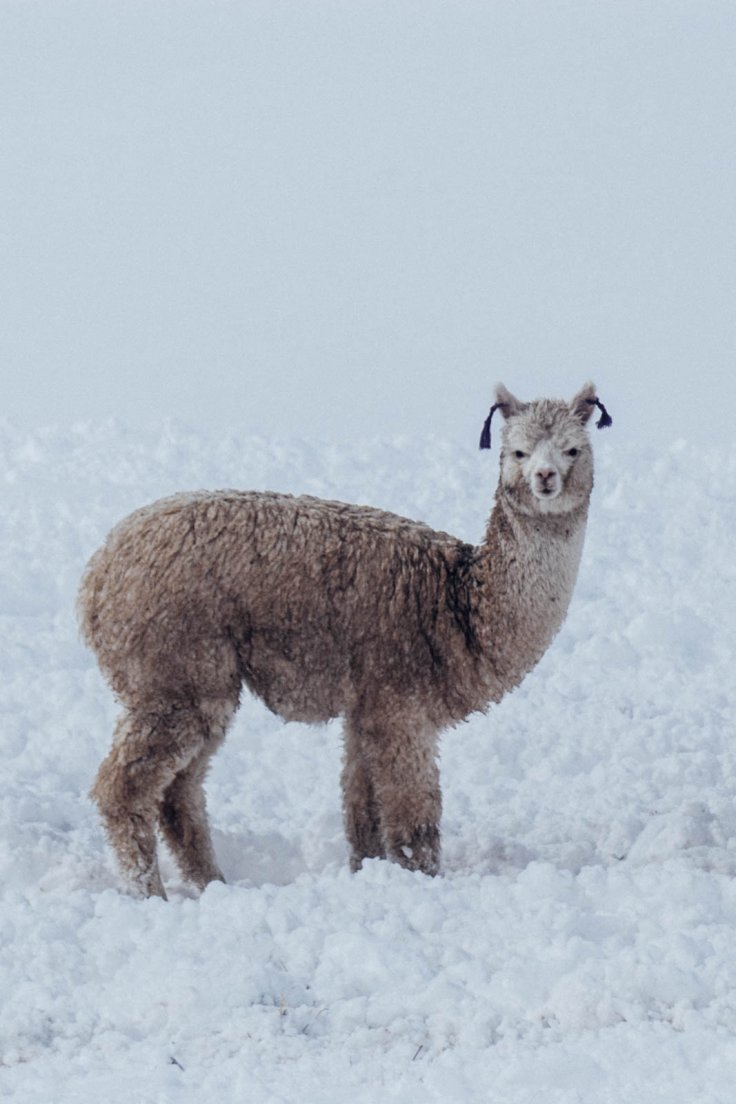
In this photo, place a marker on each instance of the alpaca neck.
(527, 567)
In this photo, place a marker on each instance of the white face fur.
(546, 459)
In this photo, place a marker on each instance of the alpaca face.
(546, 459)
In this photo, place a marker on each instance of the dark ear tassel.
(485, 437)
(605, 418)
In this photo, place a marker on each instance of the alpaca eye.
(573, 452)
(519, 454)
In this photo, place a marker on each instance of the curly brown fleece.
(324, 609)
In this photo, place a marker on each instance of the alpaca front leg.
(407, 787)
(360, 808)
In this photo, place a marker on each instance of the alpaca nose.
(546, 473)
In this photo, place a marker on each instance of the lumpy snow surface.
(581, 943)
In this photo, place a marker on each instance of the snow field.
(580, 945)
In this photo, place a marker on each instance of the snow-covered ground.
(581, 944)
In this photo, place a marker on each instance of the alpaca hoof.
(420, 852)
(146, 885)
(202, 882)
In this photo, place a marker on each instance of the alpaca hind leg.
(148, 751)
(360, 807)
(407, 787)
(183, 820)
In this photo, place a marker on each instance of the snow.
(580, 945)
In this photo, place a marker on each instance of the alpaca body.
(322, 609)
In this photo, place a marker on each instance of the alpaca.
(324, 609)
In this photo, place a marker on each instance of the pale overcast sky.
(343, 219)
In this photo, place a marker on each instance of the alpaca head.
(546, 458)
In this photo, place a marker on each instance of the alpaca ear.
(508, 404)
(583, 403)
